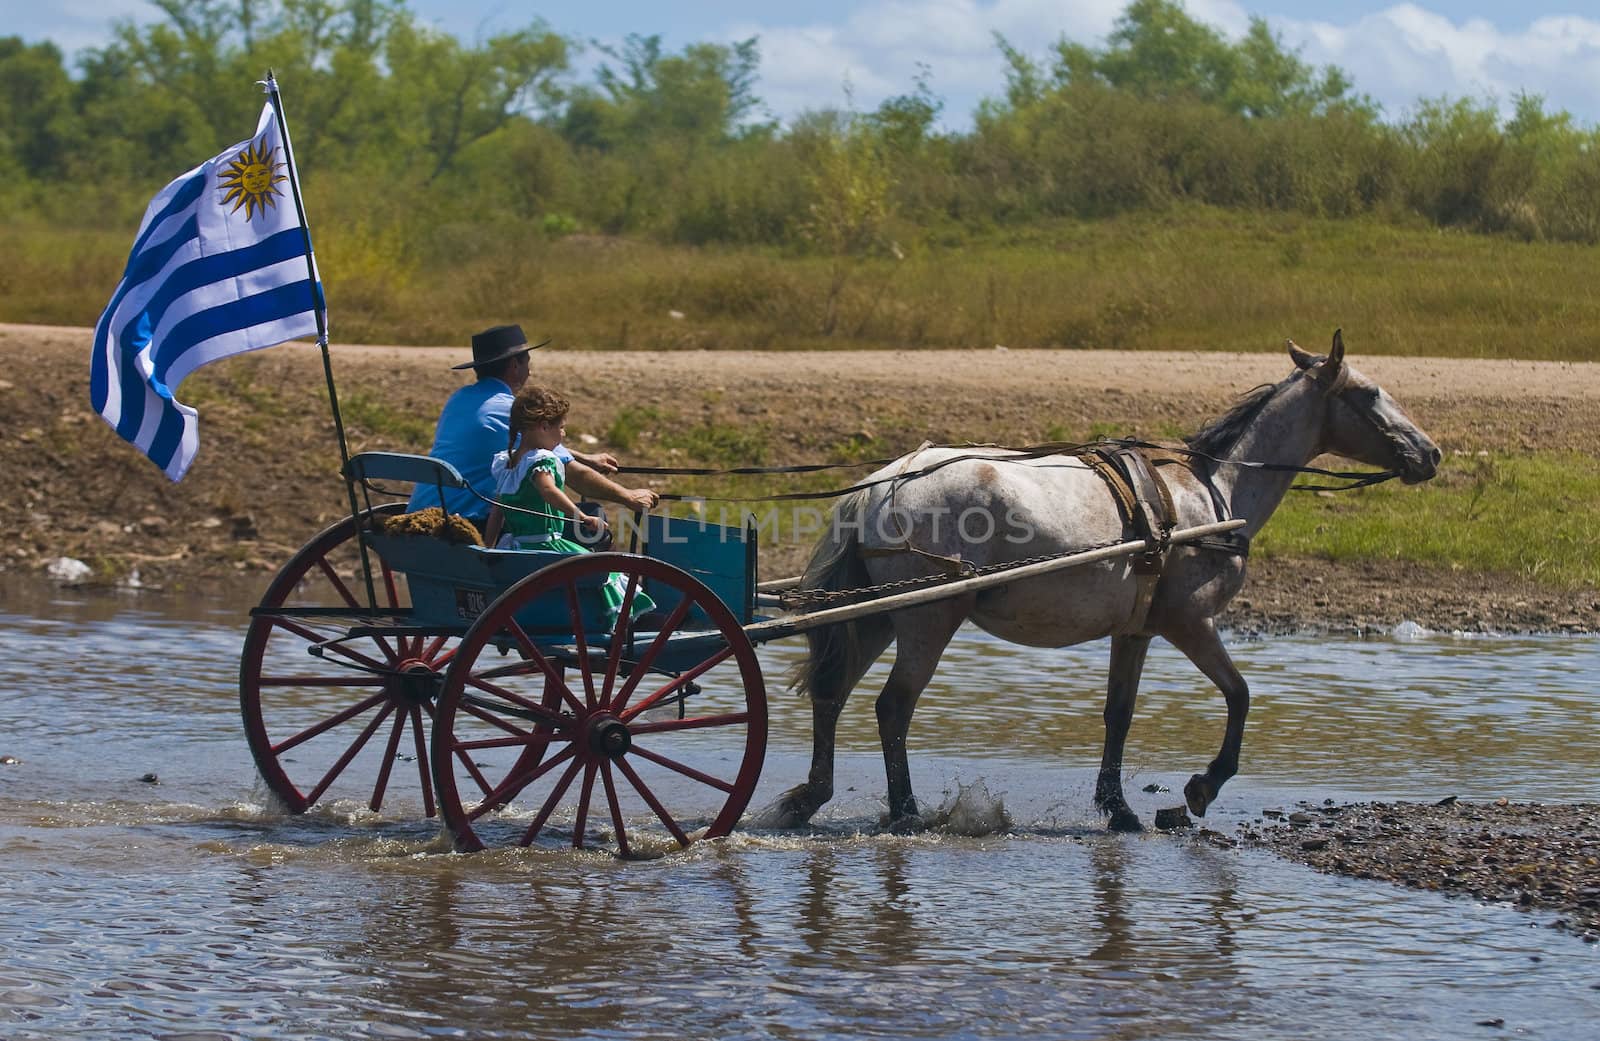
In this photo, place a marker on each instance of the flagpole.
(321, 311)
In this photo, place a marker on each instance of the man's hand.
(604, 462)
(641, 499)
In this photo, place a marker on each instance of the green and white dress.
(542, 528)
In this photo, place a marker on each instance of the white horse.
(1018, 506)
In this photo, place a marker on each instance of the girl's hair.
(533, 405)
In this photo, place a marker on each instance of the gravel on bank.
(1537, 857)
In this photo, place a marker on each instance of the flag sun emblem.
(252, 178)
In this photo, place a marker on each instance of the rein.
(1351, 478)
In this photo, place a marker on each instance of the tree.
(703, 95)
(37, 123)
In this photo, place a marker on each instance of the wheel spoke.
(338, 583)
(677, 767)
(509, 788)
(678, 681)
(619, 634)
(576, 617)
(471, 767)
(363, 680)
(554, 719)
(531, 652)
(408, 648)
(312, 636)
(650, 799)
(349, 754)
(583, 806)
(329, 723)
(666, 726)
(493, 720)
(549, 806)
(422, 762)
(352, 602)
(520, 667)
(642, 667)
(389, 753)
(432, 649)
(521, 741)
(616, 810)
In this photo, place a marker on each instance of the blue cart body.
(452, 584)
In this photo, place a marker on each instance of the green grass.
(364, 413)
(1191, 277)
(1531, 516)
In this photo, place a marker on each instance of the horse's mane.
(1216, 437)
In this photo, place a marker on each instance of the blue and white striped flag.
(221, 265)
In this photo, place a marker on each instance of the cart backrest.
(403, 466)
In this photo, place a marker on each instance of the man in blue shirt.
(473, 426)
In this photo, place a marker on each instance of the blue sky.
(811, 52)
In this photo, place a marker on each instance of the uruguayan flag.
(220, 266)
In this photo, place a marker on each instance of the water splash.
(1410, 632)
(972, 810)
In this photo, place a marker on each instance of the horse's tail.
(840, 654)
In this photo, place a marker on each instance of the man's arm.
(594, 485)
(600, 462)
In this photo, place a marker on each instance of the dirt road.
(265, 480)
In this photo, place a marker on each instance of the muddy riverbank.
(266, 478)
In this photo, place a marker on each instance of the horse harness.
(1145, 502)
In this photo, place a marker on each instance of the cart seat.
(404, 466)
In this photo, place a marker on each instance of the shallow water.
(186, 909)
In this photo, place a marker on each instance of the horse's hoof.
(1126, 821)
(907, 824)
(787, 812)
(1198, 793)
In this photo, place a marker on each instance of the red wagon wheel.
(329, 717)
(638, 738)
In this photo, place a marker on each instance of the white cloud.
(1398, 55)
(879, 49)
(1407, 53)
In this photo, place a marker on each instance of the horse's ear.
(1332, 372)
(1303, 358)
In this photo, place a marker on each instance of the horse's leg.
(800, 803)
(1201, 645)
(1122, 688)
(921, 635)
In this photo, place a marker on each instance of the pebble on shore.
(1533, 856)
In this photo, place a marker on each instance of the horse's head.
(1363, 422)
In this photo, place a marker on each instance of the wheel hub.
(417, 682)
(608, 736)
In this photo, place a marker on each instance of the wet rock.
(69, 571)
(150, 778)
(1312, 845)
(1173, 818)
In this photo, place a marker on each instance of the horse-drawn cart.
(497, 683)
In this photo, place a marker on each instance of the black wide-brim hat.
(498, 344)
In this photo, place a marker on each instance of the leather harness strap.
(1146, 505)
